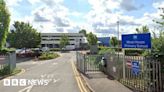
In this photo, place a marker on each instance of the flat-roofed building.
(52, 40)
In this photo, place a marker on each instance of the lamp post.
(118, 33)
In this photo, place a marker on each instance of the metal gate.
(89, 63)
(147, 79)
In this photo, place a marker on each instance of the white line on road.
(54, 63)
(26, 89)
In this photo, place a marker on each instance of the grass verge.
(14, 72)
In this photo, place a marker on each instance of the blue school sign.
(142, 41)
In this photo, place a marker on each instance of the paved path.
(58, 74)
(100, 83)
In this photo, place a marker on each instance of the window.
(71, 39)
(44, 36)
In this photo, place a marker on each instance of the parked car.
(44, 49)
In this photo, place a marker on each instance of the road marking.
(54, 63)
(54, 81)
(22, 71)
(78, 79)
(26, 89)
(34, 62)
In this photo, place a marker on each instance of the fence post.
(123, 64)
(84, 63)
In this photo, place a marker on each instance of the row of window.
(53, 45)
(61, 36)
(57, 39)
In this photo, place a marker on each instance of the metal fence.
(147, 79)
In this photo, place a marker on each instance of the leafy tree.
(158, 41)
(114, 41)
(4, 23)
(64, 41)
(144, 29)
(92, 39)
(84, 32)
(24, 36)
(161, 22)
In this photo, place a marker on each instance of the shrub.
(103, 50)
(55, 49)
(6, 50)
(134, 52)
(48, 55)
(5, 70)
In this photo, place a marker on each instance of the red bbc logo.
(129, 63)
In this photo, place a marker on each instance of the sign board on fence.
(142, 41)
(129, 64)
(135, 67)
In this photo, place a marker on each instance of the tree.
(161, 22)
(64, 41)
(158, 41)
(144, 29)
(84, 32)
(24, 36)
(4, 23)
(114, 41)
(92, 39)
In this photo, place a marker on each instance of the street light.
(118, 24)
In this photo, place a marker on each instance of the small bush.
(55, 49)
(134, 52)
(5, 70)
(6, 50)
(48, 55)
(103, 50)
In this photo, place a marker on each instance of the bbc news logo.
(26, 82)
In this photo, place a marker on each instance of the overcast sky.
(98, 16)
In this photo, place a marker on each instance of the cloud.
(56, 15)
(159, 4)
(11, 3)
(40, 15)
(128, 5)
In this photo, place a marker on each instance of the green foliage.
(158, 42)
(48, 55)
(134, 52)
(103, 50)
(158, 46)
(84, 32)
(6, 50)
(114, 41)
(160, 22)
(143, 29)
(24, 36)
(5, 70)
(4, 23)
(64, 41)
(54, 49)
(92, 39)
